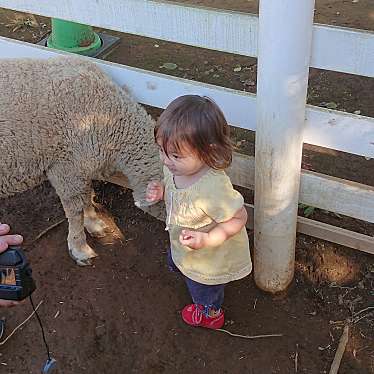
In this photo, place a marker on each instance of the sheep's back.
(64, 109)
(43, 103)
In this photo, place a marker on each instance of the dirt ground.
(123, 314)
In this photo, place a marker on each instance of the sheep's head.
(139, 162)
(138, 158)
(149, 170)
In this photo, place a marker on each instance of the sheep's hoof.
(87, 262)
(97, 228)
(83, 256)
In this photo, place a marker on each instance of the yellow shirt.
(210, 200)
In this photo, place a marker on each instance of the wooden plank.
(251, 213)
(242, 171)
(319, 190)
(334, 48)
(327, 232)
(326, 128)
(337, 195)
(335, 234)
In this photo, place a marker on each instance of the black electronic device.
(16, 282)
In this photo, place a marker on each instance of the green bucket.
(73, 37)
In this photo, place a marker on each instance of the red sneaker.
(194, 315)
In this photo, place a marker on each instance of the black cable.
(41, 326)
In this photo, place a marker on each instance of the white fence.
(333, 48)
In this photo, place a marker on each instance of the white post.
(284, 45)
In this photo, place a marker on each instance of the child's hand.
(155, 191)
(193, 239)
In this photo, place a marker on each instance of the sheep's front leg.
(79, 250)
(74, 194)
(93, 223)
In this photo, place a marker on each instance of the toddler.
(205, 215)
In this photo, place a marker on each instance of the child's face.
(180, 163)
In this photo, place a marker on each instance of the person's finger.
(154, 185)
(186, 234)
(154, 189)
(151, 199)
(185, 242)
(4, 228)
(188, 241)
(3, 245)
(151, 194)
(8, 303)
(12, 239)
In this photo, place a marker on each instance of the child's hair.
(198, 123)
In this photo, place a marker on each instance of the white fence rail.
(326, 128)
(318, 190)
(334, 48)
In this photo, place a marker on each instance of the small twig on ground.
(363, 310)
(334, 285)
(337, 322)
(360, 318)
(47, 229)
(249, 336)
(296, 357)
(331, 336)
(362, 348)
(21, 324)
(340, 351)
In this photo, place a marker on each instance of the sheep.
(65, 120)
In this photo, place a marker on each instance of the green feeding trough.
(78, 38)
